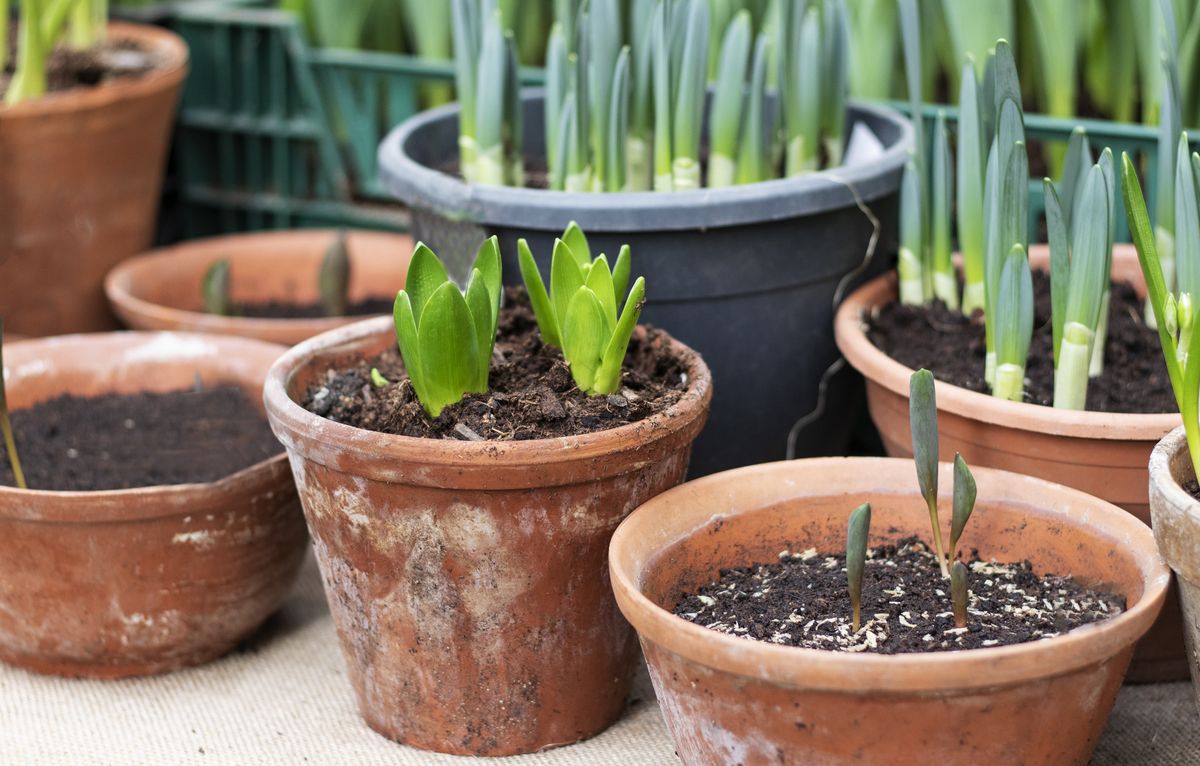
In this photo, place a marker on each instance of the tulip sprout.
(445, 334)
(581, 313)
(1175, 316)
(922, 414)
(10, 444)
(959, 593)
(858, 531)
(964, 502)
(215, 288)
(333, 279)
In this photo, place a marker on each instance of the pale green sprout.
(944, 278)
(753, 153)
(835, 44)
(333, 278)
(1169, 127)
(857, 533)
(639, 143)
(969, 190)
(1175, 317)
(911, 260)
(802, 92)
(10, 444)
(377, 378)
(963, 502)
(663, 117)
(446, 335)
(872, 48)
(602, 26)
(922, 409)
(492, 79)
(725, 113)
(557, 88)
(691, 85)
(214, 289)
(959, 594)
(581, 313)
(1057, 26)
(1187, 219)
(1014, 325)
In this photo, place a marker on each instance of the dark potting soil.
(69, 68)
(953, 347)
(286, 310)
(79, 444)
(1192, 487)
(531, 394)
(802, 600)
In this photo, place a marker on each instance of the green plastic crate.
(275, 133)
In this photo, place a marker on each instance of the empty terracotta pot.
(82, 178)
(733, 700)
(131, 582)
(1176, 516)
(162, 289)
(468, 580)
(1103, 454)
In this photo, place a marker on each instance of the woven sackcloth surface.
(285, 699)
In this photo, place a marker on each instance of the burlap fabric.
(285, 699)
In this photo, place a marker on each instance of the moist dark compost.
(531, 394)
(802, 600)
(78, 444)
(953, 348)
(286, 310)
(68, 68)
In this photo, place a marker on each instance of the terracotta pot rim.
(906, 673)
(116, 285)
(1160, 467)
(142, 503)
(880, 368)
(169, 74)
(1173, 509)
(377, 450)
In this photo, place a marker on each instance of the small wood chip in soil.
(531, 394)
(78, 444)
(953, 347)
(802, 600)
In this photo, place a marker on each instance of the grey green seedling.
(857, 533)
(964, 501)
(922, 418)
(333, 280)
(215, 288)
(959, 593)
(10, 444)
(446, 334)
(582, 313)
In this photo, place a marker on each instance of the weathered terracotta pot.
(1102, 454)
(131, 582)
(162, 289)
(467, 580)
(82, 177)
(1176, 516)
(732, 700)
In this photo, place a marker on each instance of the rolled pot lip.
(116, 287)
(542, 209)
(376, 451)
(1163, 478)
(878, 367)
(866, 672)
(170, 74)
(140, 503)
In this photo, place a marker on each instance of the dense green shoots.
(10, 444)
(969, 189)
(725, 113)
(857, 533)
(446, 335)
(944, 278)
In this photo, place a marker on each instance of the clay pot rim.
(865, 672)
(141, 503)
(878, 367)
(1163, 477)
(374, 448)
(169, 74)
(116, 284)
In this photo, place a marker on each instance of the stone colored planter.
(1176, 516)
(732, 700)
(1102, 454)
(82, 177)
(132, 582)
(468, 580)
(162, 289)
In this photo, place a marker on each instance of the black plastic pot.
(746, 275)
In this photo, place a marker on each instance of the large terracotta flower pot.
(82, 177)
(467, 580)
(1102, 454)
(130, 582)
(162, 289)
(732, 700)
(1176, 516)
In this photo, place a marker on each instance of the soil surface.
(802, 600)
(285, 310)
(140, 440)
(531, 394)
(1192, 488)
(68, 68)
(953, 347)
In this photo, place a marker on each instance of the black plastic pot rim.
(421, 186)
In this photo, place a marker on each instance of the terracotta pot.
(82, 176)
(467, 580)
(733, 700)
(131, 582)
(1176, 517)
(162, 289)
(1102, 454)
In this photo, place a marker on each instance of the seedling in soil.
(377, 378)
(215, 288)
(10, 444)
(922, 416)
(581, 314)
(445, 334)
(959, 593)
(964, 501)
(333, 280)
(856, 558)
